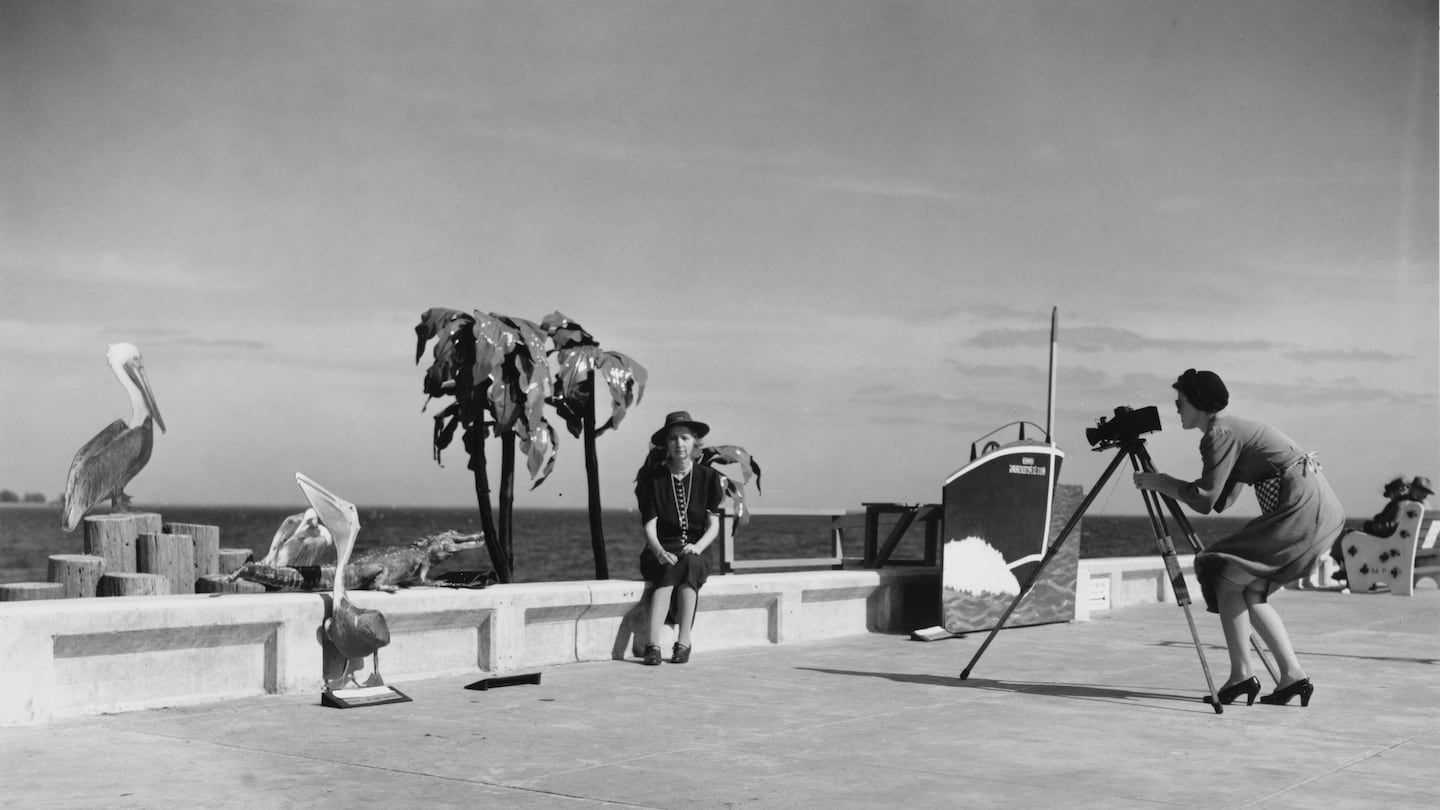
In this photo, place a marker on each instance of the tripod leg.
(1172, 567)
(1044, 561)
(1185, 526)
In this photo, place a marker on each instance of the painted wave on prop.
(974, 566)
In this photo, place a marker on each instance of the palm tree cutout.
(496, 369)
(580, 361)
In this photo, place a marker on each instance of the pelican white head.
(129, 368)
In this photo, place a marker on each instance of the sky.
(834, 231)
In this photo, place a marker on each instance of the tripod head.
(1124, 429)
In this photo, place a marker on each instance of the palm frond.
(452, 331)
(538, 445)
(626, 381)
(733, 454)
(565, 333)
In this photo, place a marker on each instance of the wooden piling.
(128, 583)
(29, 591)
(232, 558)
(147, 521)
(171, 555)
(78, 574)
(206, 540)
(112, 537)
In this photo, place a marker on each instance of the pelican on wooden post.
(106, 464)
(355, 631)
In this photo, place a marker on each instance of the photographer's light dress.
(1300, 515)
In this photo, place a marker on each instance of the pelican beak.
(338, 515)
(136, 371)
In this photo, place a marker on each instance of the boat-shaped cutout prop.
(999, 521)
(998, 516)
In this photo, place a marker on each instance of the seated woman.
(679, 503)
(1381, 525)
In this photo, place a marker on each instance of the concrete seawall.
(85, 656)
(65, 658)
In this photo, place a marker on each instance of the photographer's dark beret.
(1204, 389)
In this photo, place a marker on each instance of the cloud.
(1347, 356)
(1105, 339)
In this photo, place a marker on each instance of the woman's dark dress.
(657, 496)
(1300, 515)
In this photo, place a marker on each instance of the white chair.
(1379, 564)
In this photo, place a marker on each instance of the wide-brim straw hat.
(679, 418)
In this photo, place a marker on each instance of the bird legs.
(120, 503)
(347, 674)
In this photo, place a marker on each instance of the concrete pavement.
(1098, 714)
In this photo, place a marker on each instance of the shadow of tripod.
(1131, 447)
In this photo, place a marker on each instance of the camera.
(1127, 425)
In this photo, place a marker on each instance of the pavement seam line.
(1342, 766)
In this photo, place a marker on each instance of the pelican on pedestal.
(300, 540)
(355, 631)
(106, 463)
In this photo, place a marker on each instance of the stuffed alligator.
(383, 568)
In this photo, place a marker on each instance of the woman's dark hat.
(1204, 389)
(679, 418)
(1421, 484)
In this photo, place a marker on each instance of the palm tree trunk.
(475, 446)
(592, 480)
(507, 497)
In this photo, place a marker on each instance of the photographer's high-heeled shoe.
(1281, 697)
(1250, 687)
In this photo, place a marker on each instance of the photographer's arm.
(1209, 492)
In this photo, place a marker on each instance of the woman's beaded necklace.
(680, 487)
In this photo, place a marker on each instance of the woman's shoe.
(1250, 687)
(1281, 697)
(681, 653)
(652, 655)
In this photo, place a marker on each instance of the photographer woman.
(1300, 517)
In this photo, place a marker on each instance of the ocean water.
(550, 545)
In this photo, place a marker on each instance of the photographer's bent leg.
(1235, 621)
(1272, 631)
(659, 606)
(687, 601)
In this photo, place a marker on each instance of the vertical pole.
(592, 475)
(1050, 431)
(507, 498)
(475, 446)
(1050, 396)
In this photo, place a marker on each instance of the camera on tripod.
(1127, 425)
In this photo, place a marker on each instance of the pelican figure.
(105, 465)
(355, 631)
(300, 540)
